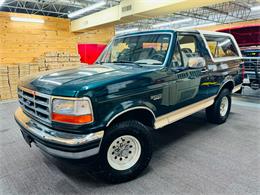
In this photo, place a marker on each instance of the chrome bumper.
(49, 135)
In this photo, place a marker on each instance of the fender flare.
(224, 83)
(128, 110)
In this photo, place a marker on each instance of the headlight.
(77, 111)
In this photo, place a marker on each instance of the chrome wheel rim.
(224, 106)
(124, 152)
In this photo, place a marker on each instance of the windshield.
(150, 49)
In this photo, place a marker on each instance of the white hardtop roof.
(203, 32)
(221, 34)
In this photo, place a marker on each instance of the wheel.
(219, 111)
(125, 151)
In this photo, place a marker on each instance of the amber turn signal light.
(72, 119)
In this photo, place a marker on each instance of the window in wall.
(221, 46)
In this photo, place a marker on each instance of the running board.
(182, 112)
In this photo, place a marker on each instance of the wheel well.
(228, 85)
(142, 115)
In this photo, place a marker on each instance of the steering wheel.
(158, 57)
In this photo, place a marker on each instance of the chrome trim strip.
(70, 155)
(50, 135)
(237, 88)
(251, 58)
(182, 112)
(31, 92)
(129, 109)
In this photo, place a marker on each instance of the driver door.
(186, 85)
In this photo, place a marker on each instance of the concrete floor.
(247, 91)
(191, 157)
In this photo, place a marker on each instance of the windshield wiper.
(99, 62)
(125, 62)
(130, 62)
(149, 63)
(122, 61)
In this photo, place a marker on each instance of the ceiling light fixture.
(171, 23)
(33, 20)
(86, 9)
(255, 8)
(126, 31)
(198, 26)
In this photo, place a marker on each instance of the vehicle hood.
(68, 82)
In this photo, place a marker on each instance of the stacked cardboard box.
(53, 65)
(51, 59)
(74, 58)
(41, 63)
(5, 92)
(63, 57)
(13, 76)
(24, 70)
(33, 68)
(57, 60)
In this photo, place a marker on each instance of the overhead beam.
(104, 17)
(132, 10)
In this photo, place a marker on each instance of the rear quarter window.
(221, 46)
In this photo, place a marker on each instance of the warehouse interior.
(191, 156)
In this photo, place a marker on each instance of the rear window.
(221, 46)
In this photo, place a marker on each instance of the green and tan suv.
(142, 81)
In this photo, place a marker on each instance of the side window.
(221, 46)
(189, 47)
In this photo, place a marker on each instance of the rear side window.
(221, 46)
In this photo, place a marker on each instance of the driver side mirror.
(196, 62)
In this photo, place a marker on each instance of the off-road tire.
(213, 112)
(125, 128)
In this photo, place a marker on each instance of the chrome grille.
(252, 64)
(35, 104)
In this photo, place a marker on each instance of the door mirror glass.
(196, 62)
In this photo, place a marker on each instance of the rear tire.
(219, 111)
(125, 152)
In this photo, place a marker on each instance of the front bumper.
(57, 143)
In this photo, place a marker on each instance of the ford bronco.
(141, 81)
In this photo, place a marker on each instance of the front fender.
(126, 106)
